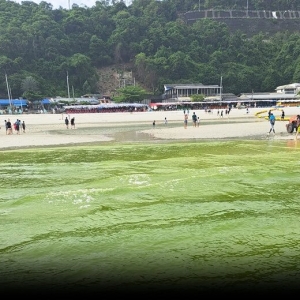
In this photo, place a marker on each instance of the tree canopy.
(44, 43)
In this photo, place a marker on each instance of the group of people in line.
(17, 126)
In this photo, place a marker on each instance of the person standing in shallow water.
(272, 123)
(67, 122)
(153, 124)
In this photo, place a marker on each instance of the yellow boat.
(259, 114)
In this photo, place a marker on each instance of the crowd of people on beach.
(20, 127)
(16, 127)
(103, 109)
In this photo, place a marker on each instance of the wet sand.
(50, 130)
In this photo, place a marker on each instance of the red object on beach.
(293, 123)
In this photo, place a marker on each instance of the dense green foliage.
(44, 44)
(131, 94)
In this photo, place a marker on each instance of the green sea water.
(152, 216)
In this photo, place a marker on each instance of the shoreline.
(50, 130)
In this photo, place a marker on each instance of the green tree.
(197, 97)
(30, 87)
(130, 94)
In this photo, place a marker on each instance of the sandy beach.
(50, 129)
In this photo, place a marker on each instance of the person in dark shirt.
(73, 123)
(67, 122)
(8, 127)
(194, 117)
(17, 126)
(23, 126)
(5, 122)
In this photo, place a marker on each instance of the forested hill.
(250, 22)
(42, 47)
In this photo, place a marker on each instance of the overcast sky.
(65, 3)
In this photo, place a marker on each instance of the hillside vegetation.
(101, 48)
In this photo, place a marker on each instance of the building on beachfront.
(179, 91)
(293, 88)
(284, 95)
(178, 96)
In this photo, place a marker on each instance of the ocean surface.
(208, 216)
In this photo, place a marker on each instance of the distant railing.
(241, 14)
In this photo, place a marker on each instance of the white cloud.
(65, 3)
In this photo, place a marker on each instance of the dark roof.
(188, 86)
(269, 96)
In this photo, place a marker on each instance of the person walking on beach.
(73, 123)
(198, 122)
(186, 116)
(5, 122)
(17, 126)
(272, 123)
(282, 115)
(194, 117)
(166, 121)
(9, 127)
(153, 124)
(23, 126)
(67, 122)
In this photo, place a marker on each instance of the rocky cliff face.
(113, 77)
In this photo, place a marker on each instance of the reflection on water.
(181, 217)
(292, 143)
(133, 136)
(128, 133)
